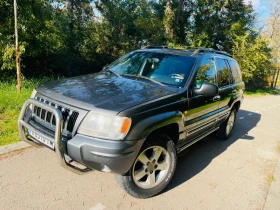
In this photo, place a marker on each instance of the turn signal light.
(126, 125)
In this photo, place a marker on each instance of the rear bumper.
(102, 155)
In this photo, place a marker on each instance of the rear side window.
(224, 74)
(236, 72)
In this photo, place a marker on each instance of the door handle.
(234, 91)
(216, 98)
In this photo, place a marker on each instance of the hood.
(107, 92)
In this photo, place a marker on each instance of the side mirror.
(207, 89)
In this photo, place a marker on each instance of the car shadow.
(199, 156)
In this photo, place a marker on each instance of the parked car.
(136, 115)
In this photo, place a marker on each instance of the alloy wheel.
(151, 167)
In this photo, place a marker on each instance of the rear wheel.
(225, 130)
(152, 169)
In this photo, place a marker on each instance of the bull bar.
(57, 141)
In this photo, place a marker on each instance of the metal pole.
(17, 50)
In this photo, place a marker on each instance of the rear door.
(226, 90)
(238, 84)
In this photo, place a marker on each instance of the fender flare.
(146, 126)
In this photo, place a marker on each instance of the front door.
(202, 113)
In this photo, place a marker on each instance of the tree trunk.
(276, 79)
(17, 49)
(179, 11)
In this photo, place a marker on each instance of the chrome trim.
(185, 146)
(201, 126)
(57, 139)
(67, 115)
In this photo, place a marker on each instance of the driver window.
(206, 73)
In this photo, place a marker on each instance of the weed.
(271, 178)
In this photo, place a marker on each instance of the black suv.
(136, 115)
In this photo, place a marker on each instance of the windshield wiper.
(111, 71)
(144, 77)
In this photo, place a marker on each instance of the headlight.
(105, 126)
(33, 94)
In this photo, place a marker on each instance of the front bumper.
(102, 155)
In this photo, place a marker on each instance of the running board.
(196, 140)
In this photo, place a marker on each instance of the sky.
(261, 9)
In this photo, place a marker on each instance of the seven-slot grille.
(47, 118)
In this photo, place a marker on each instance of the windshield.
(168, 69)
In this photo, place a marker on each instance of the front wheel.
(152, 170)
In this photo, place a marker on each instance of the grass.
(10, 104)
(261, 92)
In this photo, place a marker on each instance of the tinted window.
(168, 69)
(224, 74)
(236, 72)
(206, 72)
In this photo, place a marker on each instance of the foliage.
(71, 37)
(254, 60)
(168, 20)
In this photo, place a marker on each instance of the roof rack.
(195, 50)
(156, 47)
(209, 50)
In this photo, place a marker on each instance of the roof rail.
(209, 50)
(191, 48)
(195, 50)
(156, 47)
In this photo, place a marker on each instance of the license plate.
(41, 139)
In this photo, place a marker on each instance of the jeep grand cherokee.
(136, 115)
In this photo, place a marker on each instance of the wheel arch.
(236, 105)
(169, 123)
(171, 130)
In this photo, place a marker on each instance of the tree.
(272, 34)
(253, 56)
(65, 37)
(212, 22)
(130, 23)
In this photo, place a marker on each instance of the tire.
(226, 127)
(152, 170)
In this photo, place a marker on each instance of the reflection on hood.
(103, 91)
